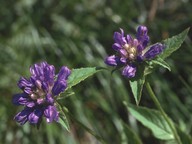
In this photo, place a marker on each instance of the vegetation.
(79, 34)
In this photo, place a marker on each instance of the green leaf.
(63, 121)
(78, 75)
(136, 85)
(153, 120)
(162, 63)
(185, 138)
(132, 137)
(67, 93)
(173, 43)
(151, 65)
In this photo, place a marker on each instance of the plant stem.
(158, 105)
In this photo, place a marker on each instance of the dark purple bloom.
(39, 93)
(129, 71)
(22, 117)
(153, 51)
(51, 113)
(132, 50)
(113, 60)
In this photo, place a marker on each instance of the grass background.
(79, 33)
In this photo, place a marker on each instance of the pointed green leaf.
(78, 75)
(64, 122)
(67, 93)
(162, 63)
(153, 120)
(136, 85)
(173, 43)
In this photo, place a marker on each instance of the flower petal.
(23, 82)
(129, 39)
(59, 87)
(51, 114)
(116, 46)
(40, 101)
(63, 73)
(112, 60)
(49, 74)
(49, 99)
(153, 51)
(123, 60)
(142, 30)
(36, 70)
(20, 99)
(35, 116)
(119, 37)
(135, 42)
(139, 49)
(38, 84)
(142, 36)
(22, 117)
(45, 86)
(123, 52)
(28, 90)
(129, 71)
(30, 104)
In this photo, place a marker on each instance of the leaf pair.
(154, 120)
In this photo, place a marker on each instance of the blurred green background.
(79, 33)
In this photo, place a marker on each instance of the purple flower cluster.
(132, 50)
(39, 93)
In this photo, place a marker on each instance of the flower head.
(39, 93)
(132, 50)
